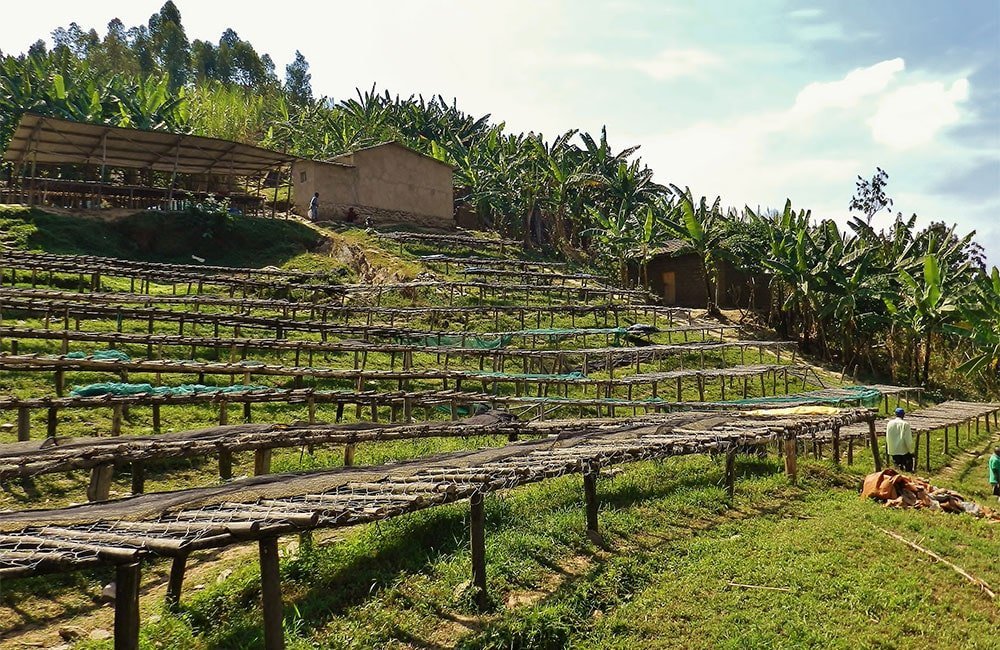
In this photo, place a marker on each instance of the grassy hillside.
(819, 570)
(159, 236)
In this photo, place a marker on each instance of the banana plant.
(700, 228)
(981, 326)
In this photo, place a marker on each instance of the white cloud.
(806, 13)
(850, 90)
(813, 150)
(672, 63)
(912, 115)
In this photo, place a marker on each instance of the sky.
(753, 100)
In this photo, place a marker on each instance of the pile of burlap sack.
(900, 491)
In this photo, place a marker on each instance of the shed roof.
(391, 143)
(52, 140)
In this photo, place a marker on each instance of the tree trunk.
(927, 356)
(710, 306)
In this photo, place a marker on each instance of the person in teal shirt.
(994, 472)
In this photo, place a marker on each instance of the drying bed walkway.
(940, 417)
(174, 524)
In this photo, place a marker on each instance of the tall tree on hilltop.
(170, 45)
(870, 198)
(298, 80)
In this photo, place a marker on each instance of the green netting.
(100, 355)
(473, 340)
(528, 375)
(116, 388)
(470, 341)
(865, 395)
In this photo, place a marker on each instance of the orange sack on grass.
(881, 485)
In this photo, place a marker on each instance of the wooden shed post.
(873, 442)
(477, 530)
(127, 606)
(270, 589)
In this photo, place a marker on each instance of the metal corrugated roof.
(51, 140)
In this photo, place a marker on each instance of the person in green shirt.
(899, 442)
(994, 472)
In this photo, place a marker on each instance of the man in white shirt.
(899, 442)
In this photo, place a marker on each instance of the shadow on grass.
(346, 574)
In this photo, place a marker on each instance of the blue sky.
(753, 100)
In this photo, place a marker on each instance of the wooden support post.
(223, 413)
(836, 445)
(946, 440)
(850, 451)
(116, 420)
(590, 499)
(100, 482)
(156, 418)
(731, 473)
(791, 468)
(349, 454)
(60, 382)
(24, 423)
(127, 606)
(51, 421)
(477, 535)
(225, 464)
(873, 441)
(270, 589)
(261, 462)
(927, 451)
(138, 477)
(176, 582)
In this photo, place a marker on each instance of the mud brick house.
(389, 182)
(676, 277)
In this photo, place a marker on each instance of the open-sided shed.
(70, 163)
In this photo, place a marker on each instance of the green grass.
(674, 541)
(160, 236)
(674, 545)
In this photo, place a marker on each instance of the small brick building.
(389, 182)
(677, 278)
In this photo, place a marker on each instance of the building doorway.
(669, 288)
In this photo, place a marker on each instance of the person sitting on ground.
(899, 442)
(994, 472)
(314, 207)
